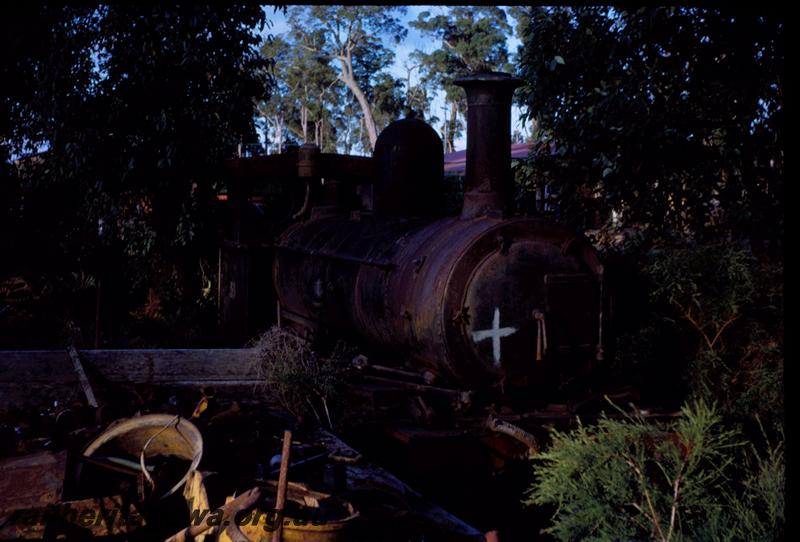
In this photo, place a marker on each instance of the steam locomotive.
(481, 299)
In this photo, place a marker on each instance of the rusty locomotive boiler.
(481, 298)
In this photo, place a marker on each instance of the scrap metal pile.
(167, 459)
(187, 465)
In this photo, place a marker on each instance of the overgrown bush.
(700, 320)
(120, 115)
(728, 308)
(303, 382)
(711, 313)
(630, 479)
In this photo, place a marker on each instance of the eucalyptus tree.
(418, 97)
(304, 99)
(279, 107)
(352, 39)
(472, 38)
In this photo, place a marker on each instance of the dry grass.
(302, 382)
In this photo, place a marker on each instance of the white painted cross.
(496, 333)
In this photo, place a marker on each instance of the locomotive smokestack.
(487, 183)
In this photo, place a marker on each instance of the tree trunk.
(320, 123)
(348, 138)
(361, 130)
(278, 123)
(304, 122)
(295, 130)
(349, 80)
(451, 133)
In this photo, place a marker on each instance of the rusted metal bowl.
(310, 516)
(153, 435)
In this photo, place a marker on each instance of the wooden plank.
(87, 387)
(39, 376)
(137, 366)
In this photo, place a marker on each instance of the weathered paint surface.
(495, 333)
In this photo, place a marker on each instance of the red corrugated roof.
(456, 162)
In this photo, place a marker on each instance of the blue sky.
(413, 41)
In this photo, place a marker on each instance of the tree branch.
(317, 51)
(650, 506)
(687, 314)
(721, 329)
(674, 512)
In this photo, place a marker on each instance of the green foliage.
(418, 97)
(388, 100)
(670, 116)
(761, 507)
(135, 107)
(629, 479)
(473, 38)
(203, 66)
(350, 40)
(730, 306)
(709, 285)
(306, 99)
(525, 188)
(715, 314)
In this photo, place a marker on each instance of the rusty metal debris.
(514, 432)
(31, 480)
(154, 435)
(32, 504)
(313, 517)
(283, 480)
(228, 513)
(463, 398)
(362, 363)
(318, 460)
(81, 519)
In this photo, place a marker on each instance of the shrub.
(730, 307)
(304, 383)
(629, 479)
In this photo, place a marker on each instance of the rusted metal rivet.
(503, 243)
(462, 316)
